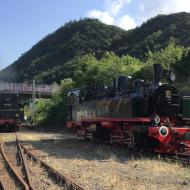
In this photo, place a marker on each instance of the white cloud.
(117, 5)
(149, 8)
(126, 22)
(101, 15)
(128, 13)
(110, 14)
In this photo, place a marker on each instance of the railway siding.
(20, 169)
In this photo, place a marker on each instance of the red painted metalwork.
(170, 143)
(7, 121)
(9, 124)
(107, 124)
(136, 120)
(173, 141)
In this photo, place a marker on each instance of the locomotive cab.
(164, 99)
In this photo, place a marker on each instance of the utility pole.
(33, 99)
(33, 92)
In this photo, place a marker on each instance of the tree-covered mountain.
(55, 57)
(74, 39)
(155, 34)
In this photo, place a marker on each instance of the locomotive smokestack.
(157, 74)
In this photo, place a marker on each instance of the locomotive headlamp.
(163, 131)
(172, 76)
(156, 119)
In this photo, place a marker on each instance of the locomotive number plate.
(168, 94)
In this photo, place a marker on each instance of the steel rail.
(183, 159)
(25, 166)
(21, 182)
(2, 186)
(28, 179)
(59, 178)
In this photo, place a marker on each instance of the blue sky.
(25, 22)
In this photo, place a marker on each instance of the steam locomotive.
(11, 112)
(151, 116)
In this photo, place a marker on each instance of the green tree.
(42, 108)
(168, 56)
(54, 111)
(90, 70)
(183, 66)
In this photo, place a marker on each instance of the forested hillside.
(57, 56)
(155, 34)
(74, 39)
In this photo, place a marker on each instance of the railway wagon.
(11, 112)
(151, 116)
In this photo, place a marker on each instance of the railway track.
(10, 174)
(183, 159)
(21, 169)
(180, 158)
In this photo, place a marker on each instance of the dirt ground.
(100, 167)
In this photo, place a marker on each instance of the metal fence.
(26, 87)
